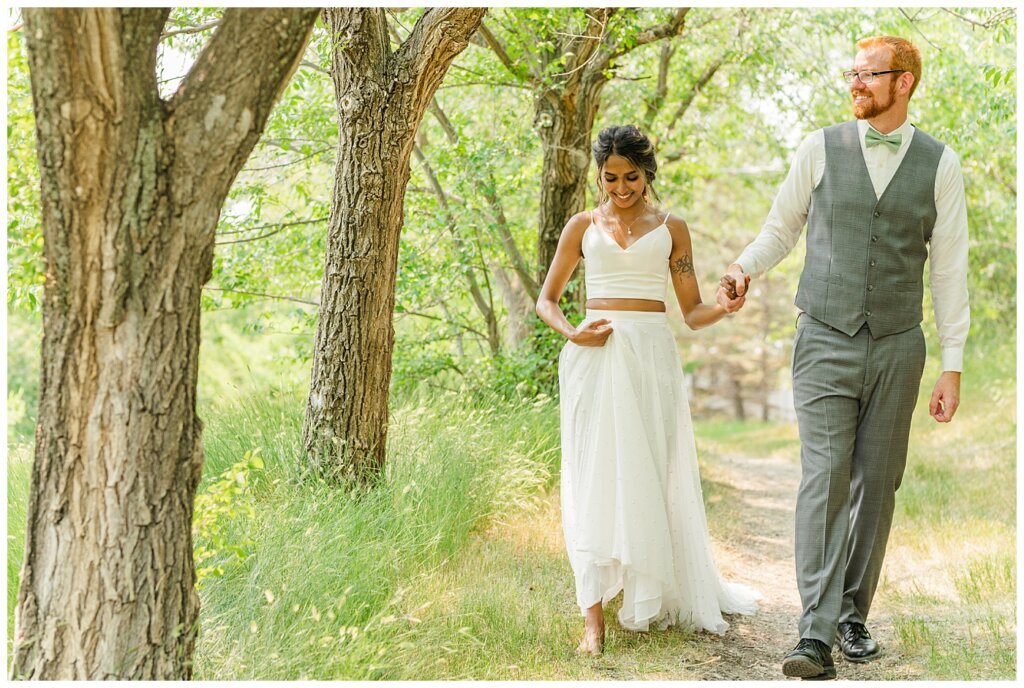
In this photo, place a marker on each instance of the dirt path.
(760, 552)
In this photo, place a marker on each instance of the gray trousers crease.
(854, 399)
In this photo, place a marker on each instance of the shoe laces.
(855, 631)
(812, 644)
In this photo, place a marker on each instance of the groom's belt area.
(887, 307)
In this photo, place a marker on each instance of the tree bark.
(565, 120)
(131, 192)
(381, 98)
(564, 115)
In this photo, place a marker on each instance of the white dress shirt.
(948, 251)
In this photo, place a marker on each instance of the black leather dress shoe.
(810, 660)
(856, 643)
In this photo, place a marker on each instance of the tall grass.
(453, 566)
(322, 594)
(951, 567)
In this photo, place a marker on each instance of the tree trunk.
(564, 116)
(131, 192)
(736, 392)
(381, 98)
(518, 306)
(565, 120)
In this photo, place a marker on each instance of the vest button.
(872, 263)
(871, 287)
(878, 214)
(874, 239)
(867, 313)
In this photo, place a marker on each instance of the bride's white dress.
(632, 508)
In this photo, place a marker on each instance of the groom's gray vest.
(865, 255)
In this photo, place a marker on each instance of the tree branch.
(272, 224)
(315, 67)
(289, 163)
(694, 91)
(486, 309)
(998, 18)
(265, 296)
(280, 225)
(499, 50)
(661, 90)
(399, 310)
(222, 105)
(487, 188)
(436, 39)
(668, 29)
(918, 29)
(191, 29)
(584, 48)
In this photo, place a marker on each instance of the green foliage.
(24, 333)
(228, 497)
(530, 372)
(321, 594)
(722, 159)
(25, 267)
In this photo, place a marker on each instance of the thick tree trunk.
(381, 98)
(131, 192)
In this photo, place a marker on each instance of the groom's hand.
(945, 397)
(729, 303)
(735, 281)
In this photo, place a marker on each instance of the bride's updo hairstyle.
(625, 141)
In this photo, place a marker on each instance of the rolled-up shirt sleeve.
(948, 262)
(788, 215)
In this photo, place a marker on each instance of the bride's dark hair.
(626, 141)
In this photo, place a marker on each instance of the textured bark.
(564, 116)
(381, 98)
(565, 120)
(131, 192)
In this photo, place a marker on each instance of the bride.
(632, 508)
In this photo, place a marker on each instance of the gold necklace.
(629, 227)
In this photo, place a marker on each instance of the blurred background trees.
(727, 95)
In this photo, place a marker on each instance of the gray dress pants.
(854, 399)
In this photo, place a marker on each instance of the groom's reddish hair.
(905, 55)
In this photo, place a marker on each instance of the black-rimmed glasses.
(866, 77)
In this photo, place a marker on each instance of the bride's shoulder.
(675, 223)
(578, 224)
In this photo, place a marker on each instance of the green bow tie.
(893, 141)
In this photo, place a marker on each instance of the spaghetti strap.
(665, 221)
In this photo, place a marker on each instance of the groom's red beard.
(872, 108)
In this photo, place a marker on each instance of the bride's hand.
(594, 333)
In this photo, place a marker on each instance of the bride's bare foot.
(593, 632)
(593, 641)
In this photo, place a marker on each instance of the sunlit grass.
(950, 576)
(454, 567)
(325, 593)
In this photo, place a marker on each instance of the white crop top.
(639, 272)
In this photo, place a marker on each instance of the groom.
(878, 195)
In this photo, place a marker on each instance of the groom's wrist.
(952, 359)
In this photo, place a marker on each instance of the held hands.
(594, 333)
(945, 397)
(732, 290)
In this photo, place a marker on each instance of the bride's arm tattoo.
(682, 266)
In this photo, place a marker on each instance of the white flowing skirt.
(632, 508)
